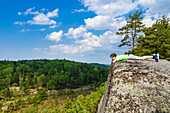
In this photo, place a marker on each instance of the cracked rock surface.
(135, 86)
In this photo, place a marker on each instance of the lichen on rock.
(137, 86)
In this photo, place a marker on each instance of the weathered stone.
(135, 86)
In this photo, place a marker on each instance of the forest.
(30, 82)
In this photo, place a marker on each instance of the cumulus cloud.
(156, 6)
(108, 11)
(99, 22)
(75, 33)
(40, 18)
(61, 48)
(105, 23)
(90, 40)
(55, 36)
(110, 7)
(53, 13)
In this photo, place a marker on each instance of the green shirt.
(122, 57)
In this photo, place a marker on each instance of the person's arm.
(113, 61)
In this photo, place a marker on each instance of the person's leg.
(131, 56)
(147, 57)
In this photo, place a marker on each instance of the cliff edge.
(135, 86)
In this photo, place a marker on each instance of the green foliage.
(14, 84)
(42, 95)
(156, 40)
(19, 103)
(45, 75)
(5, 92)
(1, 103)
(31, 110)
(130, 31)
(11, 107)
(88, 104)
(52, 74)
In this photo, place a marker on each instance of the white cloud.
(75, 33)
(29, 11)
(148, 22)
(19, 23)
(55, 36)
(110, 7)
(154, 10)
(105, 22)
(40, 18)
(98, 22)
(107, 12)
(43, 9)
(147, 3)
(156, 6)
(19, 13)
(90, 40)
(55, 25)
(42, 29)
(109, 39)
(61, 48)
(53, 13)
(80, 10)
(25, 30)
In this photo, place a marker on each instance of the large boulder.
(135, 86)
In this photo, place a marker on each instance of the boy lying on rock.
(116, 58)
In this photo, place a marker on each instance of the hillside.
(34, 82)
(137, 86)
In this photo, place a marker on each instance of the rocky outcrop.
(135, 86)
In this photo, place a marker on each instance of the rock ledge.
(137, 86)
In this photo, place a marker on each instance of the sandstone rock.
(137, 86)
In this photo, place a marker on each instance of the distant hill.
(100, 65)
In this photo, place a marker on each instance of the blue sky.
(79, 30)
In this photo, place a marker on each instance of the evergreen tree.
(130, 31)
(156, 40)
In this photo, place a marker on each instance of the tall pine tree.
(131, 30)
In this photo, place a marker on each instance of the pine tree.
(130, 31)
(156, 40)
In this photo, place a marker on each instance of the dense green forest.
(52, 74)
(32, 82)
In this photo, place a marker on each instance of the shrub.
(11, 107)
(14, 84)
